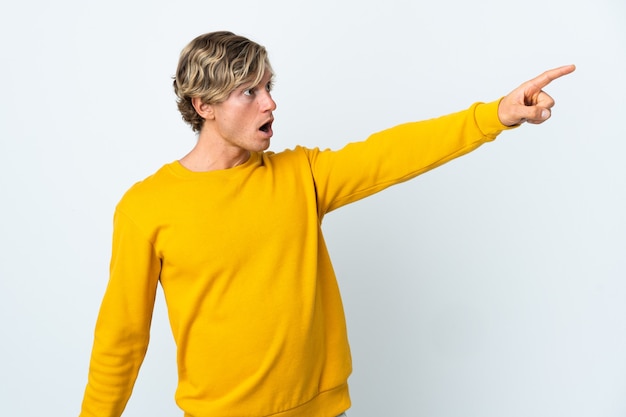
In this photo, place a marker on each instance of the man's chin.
(262, 146)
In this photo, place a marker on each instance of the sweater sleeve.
(123, 325)
(398, 154)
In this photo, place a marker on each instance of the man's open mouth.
(266, 127)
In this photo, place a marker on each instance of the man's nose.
(268, 102)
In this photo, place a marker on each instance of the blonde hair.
(213, 65)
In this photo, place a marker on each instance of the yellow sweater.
(251, 294)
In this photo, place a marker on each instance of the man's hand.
(528, 102)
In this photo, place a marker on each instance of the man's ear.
(204, 110)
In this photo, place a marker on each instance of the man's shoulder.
(149, 189)
(297, 154)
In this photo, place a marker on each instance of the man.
(233, 234)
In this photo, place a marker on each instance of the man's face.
(244, 119)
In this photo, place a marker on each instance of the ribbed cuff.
(487, 120)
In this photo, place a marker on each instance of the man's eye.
(248, 92)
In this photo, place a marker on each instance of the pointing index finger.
(551, 75)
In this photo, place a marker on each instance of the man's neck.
(210, 155)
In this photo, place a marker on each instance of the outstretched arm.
(528, 102)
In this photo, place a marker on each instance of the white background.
(492, 286)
